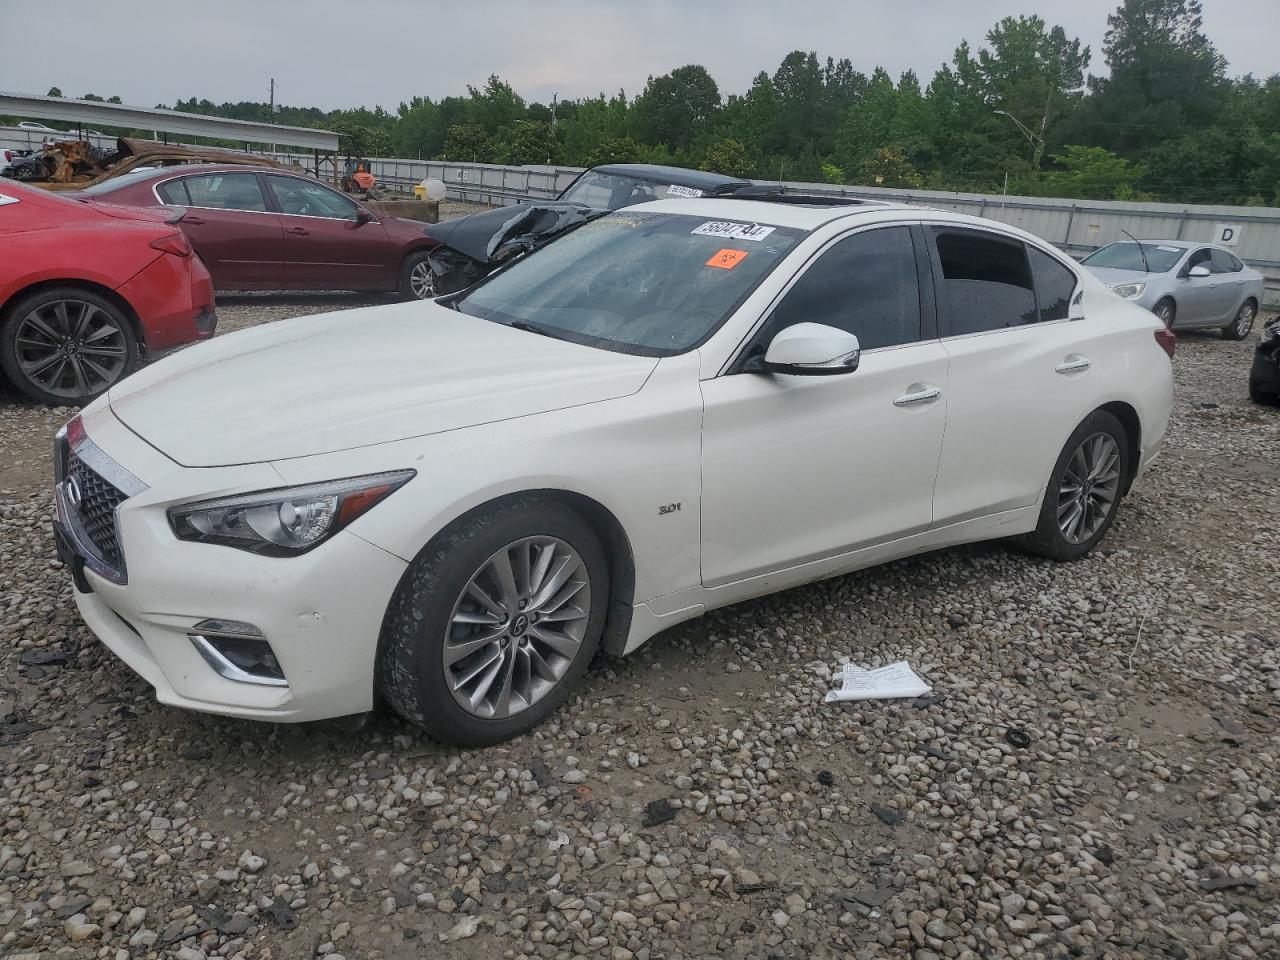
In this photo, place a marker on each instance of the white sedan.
(447, 507)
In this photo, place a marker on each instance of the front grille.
(97, 513)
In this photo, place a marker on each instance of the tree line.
(1020, 113)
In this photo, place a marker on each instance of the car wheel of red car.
(66, 345)
(417, 279)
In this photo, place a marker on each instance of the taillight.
(1167, 339)
(175, 243)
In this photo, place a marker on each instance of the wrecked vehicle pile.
(76, 164)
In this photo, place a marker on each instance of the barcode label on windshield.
(675, 190)
(726, 230)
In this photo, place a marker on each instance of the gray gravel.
(680, 806)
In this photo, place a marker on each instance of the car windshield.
(1125, 255)
(651, 284)
(612, 191)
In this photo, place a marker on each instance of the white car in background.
(449, 506)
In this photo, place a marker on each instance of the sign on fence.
(1227, 234)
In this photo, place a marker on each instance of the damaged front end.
(471, 247)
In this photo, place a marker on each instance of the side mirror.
(363, 216)
(1199, 270)
(811, 350)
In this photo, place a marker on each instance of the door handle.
(1074, 365)
(194, 221)
(298, 231)
(927, 395)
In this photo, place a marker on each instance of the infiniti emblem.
(71, 490)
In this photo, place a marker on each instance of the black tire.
(1163, 305)
(1241, 324)
(1048, 539)
(409, 288)
(410, 672)
(1260, 396)
(122, 340)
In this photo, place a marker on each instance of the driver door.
(326, 247)
(800, 468)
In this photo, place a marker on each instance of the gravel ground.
(698, 799)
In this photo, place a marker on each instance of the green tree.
(729, 157)
(614, 150)
(530, 142)
(1092, 173)
(889, 167)
(468, 142)
(675, 106)
(54, 92)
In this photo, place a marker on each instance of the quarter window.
(226, 191)
(305, 199)
(1054, 285)
(865, 284)
(986, 281)
(174, 192)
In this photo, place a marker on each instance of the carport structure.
(323, 144)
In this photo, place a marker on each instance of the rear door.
(1020, 371)
(326, 245)
(231, 227)
(1229, 277)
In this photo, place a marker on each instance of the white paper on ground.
(896, 681)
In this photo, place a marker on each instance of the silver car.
(1187, 285)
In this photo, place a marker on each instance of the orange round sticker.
(727, 259)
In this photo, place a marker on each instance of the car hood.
(481, 235)
(335, 381)
(1111, 276)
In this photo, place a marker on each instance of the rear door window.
(1054, 285)
(226, 191)
(986, 281)
(1224, 262)
(174, 192)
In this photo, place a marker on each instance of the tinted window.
(986, 282)
(1149, 257)
(1224, 262)
(226, 191)
(307, 199)
(1201, 258)
(173, 192)
(865, 284)
(1054, 285)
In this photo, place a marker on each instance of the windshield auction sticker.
(727, 230)
(678, 190)
(727, 259)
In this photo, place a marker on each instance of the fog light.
(238, 651)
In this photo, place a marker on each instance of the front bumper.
(321, 612)
(1265, 373)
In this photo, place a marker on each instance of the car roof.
(698, 179)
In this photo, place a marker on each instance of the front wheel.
(64, 345)
(417, 280)
(1084, 490)
(1240, 327)
(495, 622)
(1165, 312)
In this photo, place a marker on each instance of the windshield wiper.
(532, 328)
(1146, 267)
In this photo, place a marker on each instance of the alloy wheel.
(1165, 314)
(71, 348)
(1089, 488)
(422, 281)
(517, 627)
(1244, 320)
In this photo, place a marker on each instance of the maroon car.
(266, 229)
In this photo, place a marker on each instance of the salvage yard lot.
(675, 808)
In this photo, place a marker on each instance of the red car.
(85, 290)
(266, 229)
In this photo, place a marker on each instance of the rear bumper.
(173, 298)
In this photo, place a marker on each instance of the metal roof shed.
(97, 114)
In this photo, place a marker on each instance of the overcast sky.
(342, 53)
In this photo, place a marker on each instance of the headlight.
(283, 523)
(1129, 290)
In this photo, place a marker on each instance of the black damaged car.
(472, 246)
(1264, 378)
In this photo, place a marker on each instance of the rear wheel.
(1240, 327)
(417, 280)
(495, 622)
(1166, 311)
(64, 345)
(1084, 491)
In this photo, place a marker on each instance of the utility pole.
(554, 101)
(271, 107)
